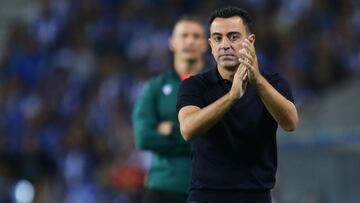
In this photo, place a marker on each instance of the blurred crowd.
(70, 76)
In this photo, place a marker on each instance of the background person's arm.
(147, 127)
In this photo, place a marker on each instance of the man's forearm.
(282, 110)
(197, 122)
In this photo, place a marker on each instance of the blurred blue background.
(70, 72)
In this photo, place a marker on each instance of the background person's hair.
(228, 12)
(189, 18)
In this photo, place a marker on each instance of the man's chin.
(230, 66)
(190, 59)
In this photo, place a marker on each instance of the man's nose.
(189, 40)
(225, 44)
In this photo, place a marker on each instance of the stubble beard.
(231, 68)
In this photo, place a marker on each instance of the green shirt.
(170, 166)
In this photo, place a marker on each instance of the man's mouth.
(231, 55)
(189, 50)
(227, 56)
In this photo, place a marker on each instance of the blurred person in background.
(230, 115)
(155, 118)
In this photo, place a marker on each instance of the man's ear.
(252, 38)
(210, 44)
(171, 43)
(209, 40)
(206, 46)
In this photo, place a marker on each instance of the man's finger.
(245, 63)
(249, 47)
(244, 78)
(242, 70)
(246, 56)
(245, 81)
(240, 73)
(249, 50)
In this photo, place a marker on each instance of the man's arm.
(147, 126)
(281, 109)
(195, 121)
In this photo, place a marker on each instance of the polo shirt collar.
(176, 76)
(215, 75)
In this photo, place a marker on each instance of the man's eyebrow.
(232, 33)
(215, 33)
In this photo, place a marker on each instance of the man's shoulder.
(160, 78)
(200, 78)
(272, 75)
(280, 83)
(268, 72)
(205, 74)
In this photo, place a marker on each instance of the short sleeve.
(190, 93)
(282, 86)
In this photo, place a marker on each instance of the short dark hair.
(190, 18)
(231, 11)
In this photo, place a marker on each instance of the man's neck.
(227, 73)
(183, 67)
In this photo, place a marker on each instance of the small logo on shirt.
(167, 89)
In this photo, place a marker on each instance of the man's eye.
(234, 37)
(196, 36)
(217, 39)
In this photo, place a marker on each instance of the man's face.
(226, 37)
(188, 41)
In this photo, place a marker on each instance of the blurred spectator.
(47, 25)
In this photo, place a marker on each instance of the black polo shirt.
(239, 153)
